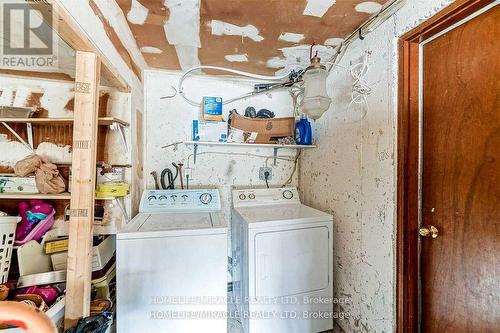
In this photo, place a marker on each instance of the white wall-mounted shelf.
(274, 146)
(249, 145)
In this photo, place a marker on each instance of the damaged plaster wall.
(169, 121)
(352, 176)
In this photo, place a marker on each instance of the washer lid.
(289, 214)
(186, 221)
(159, 225)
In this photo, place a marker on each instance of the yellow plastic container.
(111, 190)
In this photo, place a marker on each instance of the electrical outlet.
(262, 172)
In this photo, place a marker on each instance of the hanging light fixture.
(316, 101)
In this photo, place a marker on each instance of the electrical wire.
(387, 11)
(233, 71)
(267, 158)
(361, 89)
(295, 160)
(289, 180)
(297, 93)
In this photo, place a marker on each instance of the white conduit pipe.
(233, 71)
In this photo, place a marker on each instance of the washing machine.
(171, 264)
(281, 263)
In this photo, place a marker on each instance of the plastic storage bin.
(7, 236)
(41, 228)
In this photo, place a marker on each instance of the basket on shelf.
(7, 236)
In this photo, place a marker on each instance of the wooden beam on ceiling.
(71, 32)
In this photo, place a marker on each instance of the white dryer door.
(291, 262)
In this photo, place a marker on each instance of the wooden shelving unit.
(103, 121)
(40, 196)
(85, 133)
(114, 123)
(86, 138)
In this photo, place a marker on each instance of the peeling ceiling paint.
(318, 8)
(138, 13)
(182, 29)
(236, 57)
(183, 25)
(151, 49)
(217, 32)
(369, 7)
(291, 37)
(220, 28)
(333, 41)
(298, 56)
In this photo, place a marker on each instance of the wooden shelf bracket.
(29, 130)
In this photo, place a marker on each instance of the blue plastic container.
(303, 131)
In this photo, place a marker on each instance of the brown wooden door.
(460, 269)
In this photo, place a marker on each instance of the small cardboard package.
(212, 108)
(13, 184)
(211, 131)
(260, 130)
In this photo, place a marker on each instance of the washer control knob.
(162, 198)
(242, 196)
(288, 194)
(184, 197)
(206, 198)
(173, 197)
(251, 196)
(151, 198)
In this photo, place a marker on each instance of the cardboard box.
(262, 130)
(101, 255)
(13, 184)
(212, 108)
(209, 131)
(56, 246)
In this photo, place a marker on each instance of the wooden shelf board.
(108, 198)
(249, 145)
(98, 165)
(26, 196)
(106, 121)
(61, 196)
(103, 121)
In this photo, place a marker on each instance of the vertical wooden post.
(78, 283)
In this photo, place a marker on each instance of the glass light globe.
(316, 101)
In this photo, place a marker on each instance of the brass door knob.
(430, 231)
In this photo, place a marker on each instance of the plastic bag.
(27, 165)
(48, 180)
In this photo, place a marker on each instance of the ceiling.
(262, 36)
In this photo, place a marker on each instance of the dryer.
(281, 263)
(172, 265)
